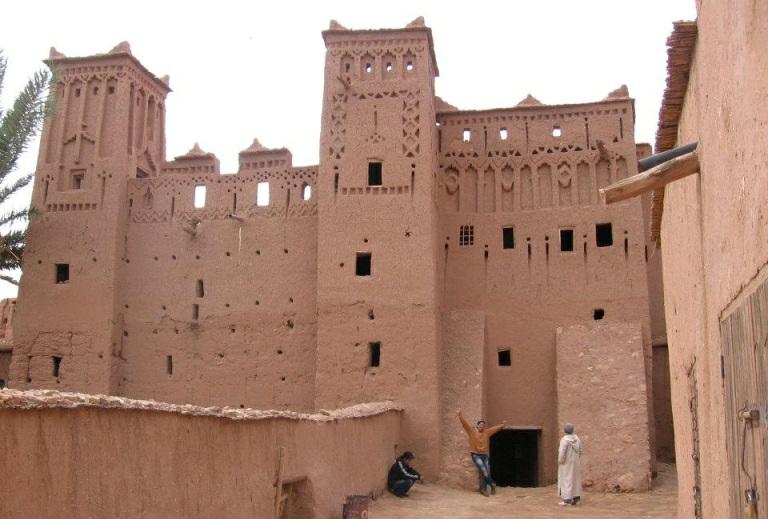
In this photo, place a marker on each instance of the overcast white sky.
(241, 70)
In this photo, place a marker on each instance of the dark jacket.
(401, 470)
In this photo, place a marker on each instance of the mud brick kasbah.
(436, 257)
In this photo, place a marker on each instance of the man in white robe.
(569, 468)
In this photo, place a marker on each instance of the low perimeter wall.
(67, 455)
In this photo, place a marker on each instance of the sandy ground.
(434, 501)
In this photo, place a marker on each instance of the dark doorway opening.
(515, 458)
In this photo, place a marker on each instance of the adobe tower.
(377, 213)
(109, 127)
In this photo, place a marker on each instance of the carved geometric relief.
(468, 190)
(410, 118)
(565, 184)
(451, 182)
(526, 188)
(584, 181)
(148, 199)
(347, 66)
(507, 189)
(106, 136)
(545, 185)
(338, 122)
(603, 170)
(489, 190)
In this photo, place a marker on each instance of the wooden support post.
(655, 178)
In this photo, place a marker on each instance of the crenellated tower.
(108, 127)
(378, 323)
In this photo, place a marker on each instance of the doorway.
(515, 458)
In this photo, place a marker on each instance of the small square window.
(62, 272)
(374, 354)
(505, 357)
(566, 240)
(503, 134)
(508, 237)
(467, 135)
(598, 314)
(77, 180)
(557, 131)
(363, 264)
(604, 234)
(374, 173)
(466, 235)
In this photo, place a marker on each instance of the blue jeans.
(484, 470)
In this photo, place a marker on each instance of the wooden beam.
(655, 178)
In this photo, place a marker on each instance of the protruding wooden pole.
(654, 178)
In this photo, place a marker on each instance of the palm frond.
(12, 250)
(23, 121)
(13, 216)
(9, 279)
(7, 191)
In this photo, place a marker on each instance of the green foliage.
(18, 126)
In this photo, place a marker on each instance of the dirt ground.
(434, 501)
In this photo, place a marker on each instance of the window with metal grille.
(466, 235)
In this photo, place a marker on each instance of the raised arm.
(464, 423)
(496, 428)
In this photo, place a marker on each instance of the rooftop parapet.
(194, 161)
(337, 34)
(257, 157)
(82, 64)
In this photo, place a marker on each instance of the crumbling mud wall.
(72, 455)
(601, 389)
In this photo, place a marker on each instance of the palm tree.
(18, 126)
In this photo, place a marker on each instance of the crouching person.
(402, 476)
